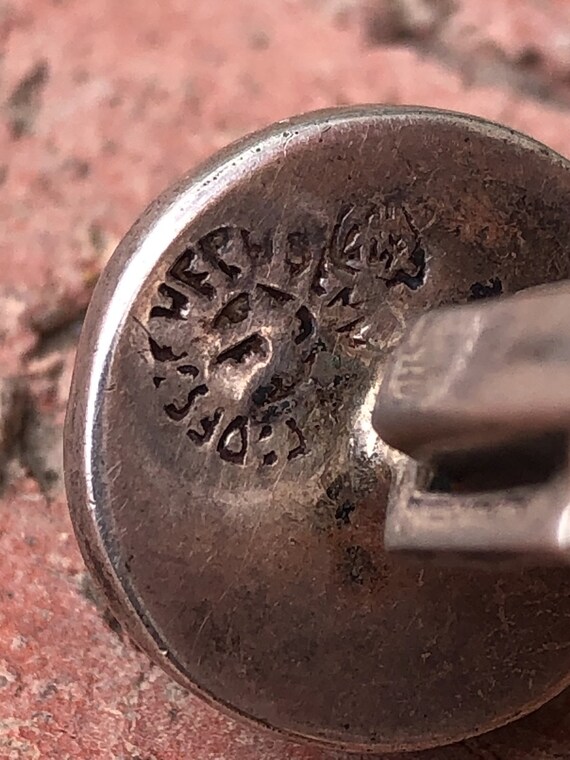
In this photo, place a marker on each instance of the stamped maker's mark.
(378, 241)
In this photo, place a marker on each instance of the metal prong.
(481, 396)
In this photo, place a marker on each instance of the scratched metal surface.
(228, 490)
(90, 133)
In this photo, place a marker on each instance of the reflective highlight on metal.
(226, 484)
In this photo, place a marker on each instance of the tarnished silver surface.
(226, 484)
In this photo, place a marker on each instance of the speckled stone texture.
(103, 103)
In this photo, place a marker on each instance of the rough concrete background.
(102, 103)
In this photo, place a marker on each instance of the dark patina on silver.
(226, 484)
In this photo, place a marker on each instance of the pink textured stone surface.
(103, 103)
